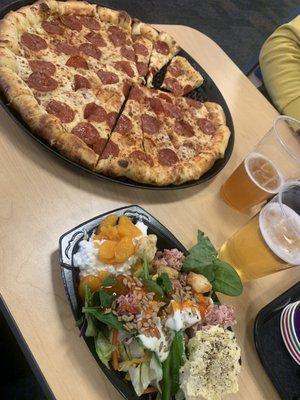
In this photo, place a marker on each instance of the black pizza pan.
(208, 91)
(283, 371)
(68, 246)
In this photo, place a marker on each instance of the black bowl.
(68, 245)
(208, 91)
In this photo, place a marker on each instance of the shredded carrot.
(115, 353)
(150, 389)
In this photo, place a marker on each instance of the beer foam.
(280, 228)
(255, 155)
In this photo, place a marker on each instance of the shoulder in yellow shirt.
(280, 65)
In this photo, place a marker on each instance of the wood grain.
(43, 197)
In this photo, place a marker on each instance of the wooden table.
(43, 197)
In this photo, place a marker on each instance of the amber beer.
(255, 180)
(266, 244)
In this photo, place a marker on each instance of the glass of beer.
(275, 159)
(270, 241)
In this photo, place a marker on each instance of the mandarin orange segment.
(127, 228)
(124, 249)
(110, 220)
(94, 283)
(107, 250)
(109, 232)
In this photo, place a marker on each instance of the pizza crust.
(216, 113)
(119, 18)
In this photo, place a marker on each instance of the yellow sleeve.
(280, 66)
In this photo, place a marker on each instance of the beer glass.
(275, 159)
(270, 241)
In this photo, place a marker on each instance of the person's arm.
(280, 65)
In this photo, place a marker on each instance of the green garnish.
(107, 319)
(106, 299)
(202, 259)
(110, 280)
(152, 286)
(164, 282)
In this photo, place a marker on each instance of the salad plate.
(141, 319)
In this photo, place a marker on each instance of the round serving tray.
(207, 92)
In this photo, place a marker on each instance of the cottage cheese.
(87, 260)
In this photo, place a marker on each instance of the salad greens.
(103, 348)
(202, 259)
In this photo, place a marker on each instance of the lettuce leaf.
(103, 348)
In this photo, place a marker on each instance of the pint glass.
(271, 240)
(275, 160)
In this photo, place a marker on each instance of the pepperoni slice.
(90, 22)
(94, 113)
(80, 82)
(66, 48)
(150, 124)
(127, 52)
(184, 128)
(33, 42)
(206, 126)
(111, 149)
(99, 146)
(41, 82)
(174, 86)
(167, 157)
(96, 39)
(194, 103)
(162, 47)
(61, 110)
(125, 67)
(111, 119)
(136, 94)
(72, 22)
(124, 125)
(116, 36)
(90, 50)
(52, 27)
(42, 66)
(140, 49)
(140, 155)
(156, 105)
(165, 97)
(86, 132)
(77, 62)
(107, 78)
(142, 68)
(172, 111)
(175, 69)
(126, 88)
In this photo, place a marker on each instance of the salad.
(154, 314)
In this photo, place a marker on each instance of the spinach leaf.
(91, 330)
(164, 282)
(107, 319)
(171, 367)
(110, 280)
(226, 280)
(154, 287)
(201, 257)
(177, 360)
(106, 299)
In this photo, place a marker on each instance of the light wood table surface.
(42, 197)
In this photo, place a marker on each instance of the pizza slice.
(181, 77)
(143, 49)
(164, 47)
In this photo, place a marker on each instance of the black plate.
(68, 245)
(208, 91)
(279, 365)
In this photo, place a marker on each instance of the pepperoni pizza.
(81, 77)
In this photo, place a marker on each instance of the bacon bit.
(115, 353)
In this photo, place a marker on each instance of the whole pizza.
(81, 77)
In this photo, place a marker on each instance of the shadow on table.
(72, 345)
(71, 175)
